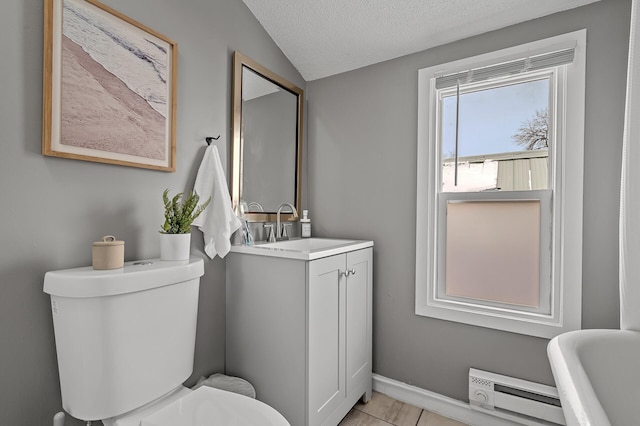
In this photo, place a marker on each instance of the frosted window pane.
(493, 251)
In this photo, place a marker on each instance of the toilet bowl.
(204, 406)
(125, 341)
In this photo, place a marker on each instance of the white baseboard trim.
(435, 402)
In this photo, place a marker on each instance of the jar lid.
(108, 240)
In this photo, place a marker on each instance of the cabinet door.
(358, 318)
(326, 302)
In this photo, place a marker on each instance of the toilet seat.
(206, 406)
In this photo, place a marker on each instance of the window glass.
(493, 251)
(502, 136)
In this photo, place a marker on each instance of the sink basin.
(597, 376)
(303, 248)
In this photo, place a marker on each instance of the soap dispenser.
(306, 224)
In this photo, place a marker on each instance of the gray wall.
(362, 184)
(53, 209)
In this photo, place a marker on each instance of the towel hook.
(210, 139)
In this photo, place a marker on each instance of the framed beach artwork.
(109, 87)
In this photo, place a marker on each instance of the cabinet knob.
(348, 272)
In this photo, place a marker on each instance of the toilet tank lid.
(134, 276)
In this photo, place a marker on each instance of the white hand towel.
(218, 221)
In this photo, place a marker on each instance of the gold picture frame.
(109, 87)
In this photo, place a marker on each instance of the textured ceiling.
(326, 37)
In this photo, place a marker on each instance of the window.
(499, 202)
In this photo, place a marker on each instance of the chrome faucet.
(279, 228)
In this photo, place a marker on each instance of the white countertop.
(303, 248)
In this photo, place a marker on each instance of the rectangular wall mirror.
(266, 163)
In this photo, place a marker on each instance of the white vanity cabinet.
(300, 331)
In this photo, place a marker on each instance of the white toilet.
(125, 341)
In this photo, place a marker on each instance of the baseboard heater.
(514, 399)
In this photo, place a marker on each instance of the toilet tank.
(124, 337)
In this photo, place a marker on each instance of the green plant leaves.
(178, 216)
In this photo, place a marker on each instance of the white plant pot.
(175, 246)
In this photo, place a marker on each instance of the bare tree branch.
(534, 133)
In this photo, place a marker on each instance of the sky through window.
(490, 117)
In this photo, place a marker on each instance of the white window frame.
(565, 198)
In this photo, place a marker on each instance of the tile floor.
(384, 411)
